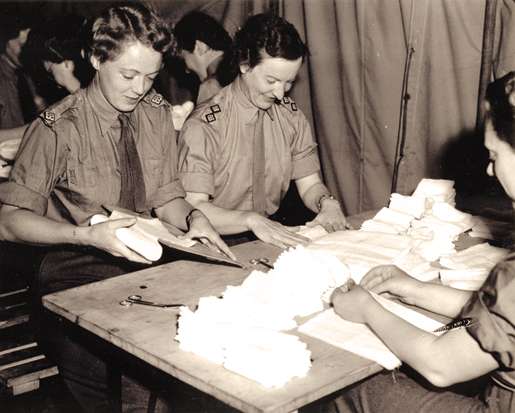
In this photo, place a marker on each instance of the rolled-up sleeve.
(493, 309)
(39, 164)
(196, 157)
(169, 186)
(304, 150)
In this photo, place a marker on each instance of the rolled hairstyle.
(500, 96)
(274, 35)
(127, 23)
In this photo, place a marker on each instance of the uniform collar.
(241, 91)
(105, 112)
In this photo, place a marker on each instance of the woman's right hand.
(273, 232)
(103, 236)
(391, 279)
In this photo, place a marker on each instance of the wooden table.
(148, 333)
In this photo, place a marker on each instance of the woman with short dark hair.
(485, 347)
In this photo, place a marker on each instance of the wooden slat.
(21, 356)
(15, 336)
(29, 372)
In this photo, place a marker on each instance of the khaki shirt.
(67, 166)
(11, 113)
(216, 149)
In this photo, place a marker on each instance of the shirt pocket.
(83, 182)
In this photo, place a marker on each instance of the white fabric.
(358, 338)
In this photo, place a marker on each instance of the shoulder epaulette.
(155, 99)
(211, 109)
(52, 114)
(289, 102)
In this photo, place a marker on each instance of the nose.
(279, 91)
(138, 86)
(490, 169)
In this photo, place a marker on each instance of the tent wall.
(353, 88)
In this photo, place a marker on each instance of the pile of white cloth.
(468, 269)
(430, 219)
(243, 329)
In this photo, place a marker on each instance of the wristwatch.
(323, 198)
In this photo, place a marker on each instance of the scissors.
(263, 261)
(137, 299)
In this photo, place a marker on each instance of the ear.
(94, 62)
(68, 64)
(244, 68)
(200, 48)
(511, 99)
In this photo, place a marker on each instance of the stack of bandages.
(241, 330)
(468, 269)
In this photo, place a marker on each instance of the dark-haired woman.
(240, 149)
(485, 347)
(112, 143)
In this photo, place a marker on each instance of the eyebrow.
(276, 78)
(137, 71)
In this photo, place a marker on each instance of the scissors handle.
(263, 261)
(136, 299)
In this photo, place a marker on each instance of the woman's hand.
(273, 232)
(350, 302)
(391, 279)
(201, 229)
(103, 236)
(330, 217)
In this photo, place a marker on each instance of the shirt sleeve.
(39, 164)
(170, 187)
(493, 310)
(304, 150)
(197, 144)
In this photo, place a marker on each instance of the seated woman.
(486, 347)
(240, 150)
(112, 143)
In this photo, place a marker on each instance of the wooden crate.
(22, 364)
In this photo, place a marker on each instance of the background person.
(112, 143)
(206, 49)
(486, 347)
(240, 149)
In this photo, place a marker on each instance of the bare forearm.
(175, 212)
(443, 360)
(225, 221)
(26, 227)
(311, 196)
(440, 299)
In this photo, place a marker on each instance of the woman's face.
(127, 79)
(62, 73)
(270, 80)
(502, 160)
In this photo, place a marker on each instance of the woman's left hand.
(201, 229)
(331, 217)
(350, 302)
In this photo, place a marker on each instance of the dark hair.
(16, 16)
(124, 23)
(56, 40)
(271, 33)
(500, 110)
(200, 26)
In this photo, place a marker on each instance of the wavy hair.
(271, 33)
(126, 23)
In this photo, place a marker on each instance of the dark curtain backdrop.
(351, 86)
